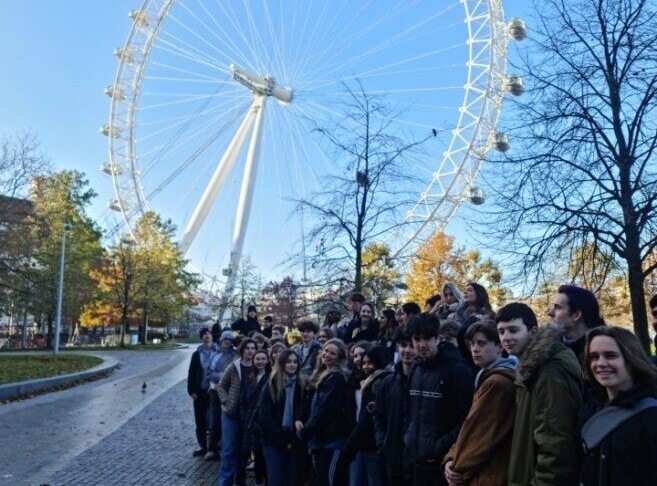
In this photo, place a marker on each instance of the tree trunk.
(358, 278)
(24, 330)
(637, 299)
(49, 336)
(122, 333)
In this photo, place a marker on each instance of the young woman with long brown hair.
(326, 427)
(281, 415)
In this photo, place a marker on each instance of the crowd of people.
(454, 393)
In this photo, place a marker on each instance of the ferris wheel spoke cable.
(232, 48)
(189, 98)
(173, 139)
(256, 39)
(185, 51)
(375, 49)
(301, 128)
(380, 70)
(209, 127)
(244, 58)
(179, 170)
(174, 121)
(204, 105)
(197, 36)
(278, 47)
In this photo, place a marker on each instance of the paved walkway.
(108, 432)
(153, 447)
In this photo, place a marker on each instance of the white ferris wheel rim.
(437, 203)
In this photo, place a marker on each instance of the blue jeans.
(366, 470)
(357, 472)
(231, 435)
(281, 465)
(373, 469)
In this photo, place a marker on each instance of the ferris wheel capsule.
(124, 55)
(475, 195)
(110, 131)
(116, 205)
(517, 29)
(115, 93)
(514, 85)
(138, 17)
(110, 169)
(500, 142)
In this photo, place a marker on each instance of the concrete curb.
(11, 390)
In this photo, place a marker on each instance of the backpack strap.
(608, 419)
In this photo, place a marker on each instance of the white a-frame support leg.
(224, 167)
(244, 205)
(261, 87)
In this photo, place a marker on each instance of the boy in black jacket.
(198, 383)
(440, 393)
(391, 413)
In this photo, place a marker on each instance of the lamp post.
(60, 290)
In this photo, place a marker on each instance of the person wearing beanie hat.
(245, 326)
(198, 384)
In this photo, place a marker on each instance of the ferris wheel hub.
(262, 85)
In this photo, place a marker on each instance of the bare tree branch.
(583, 169)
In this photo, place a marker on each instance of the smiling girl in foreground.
(620, 435)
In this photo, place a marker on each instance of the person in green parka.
(545, 448)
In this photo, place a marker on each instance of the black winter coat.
(391, 418)
(362, 436)
(440, 392)
(195, 375)
(271, 417)
(245, 326)
(628, 455)
(327, 421)
(369, 334)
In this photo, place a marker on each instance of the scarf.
(288, 409)
(510, 363)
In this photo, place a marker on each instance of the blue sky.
(57, 59)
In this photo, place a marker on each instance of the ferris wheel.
(210, 94)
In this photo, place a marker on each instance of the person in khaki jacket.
(545, 446)
(232, 394)
(480, 455)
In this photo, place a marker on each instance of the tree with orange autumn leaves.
(439, 261)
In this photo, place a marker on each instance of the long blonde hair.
(322, 371)
(278, 376)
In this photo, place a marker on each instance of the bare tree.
(363, 199)
(21, 159)
(584, 169)
(248, 286)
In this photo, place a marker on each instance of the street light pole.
(60, 290)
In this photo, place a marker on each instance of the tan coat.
(481, 451)
(229, 389)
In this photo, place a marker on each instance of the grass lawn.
(21, 368)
